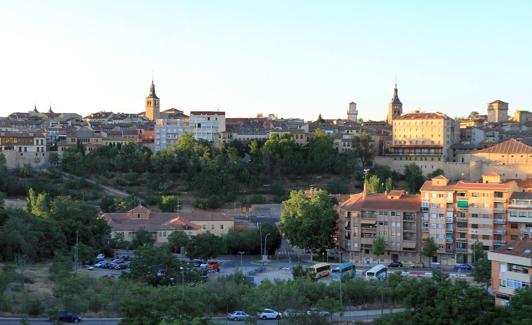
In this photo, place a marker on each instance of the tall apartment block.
(511, 269)
(520, 215)
(459, 214)
(393, 216)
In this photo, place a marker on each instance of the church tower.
(352, 112)
(395, 108)
(152, 104)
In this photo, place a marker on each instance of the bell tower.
(395, 108)
(152, 104)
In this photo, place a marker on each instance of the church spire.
(50, 110)
(152, 90)
(395, 98)
(35, 108)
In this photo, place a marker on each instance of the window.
(513, 225)
(212, 227)
(221, 227)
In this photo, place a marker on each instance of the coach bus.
(343, 270)
(319, 270)
(378, 272)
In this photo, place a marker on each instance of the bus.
(378, 272)
(319, 270)
(343, 270)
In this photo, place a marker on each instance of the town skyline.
(292, 60)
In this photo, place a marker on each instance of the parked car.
(68, 317)
(463, 267)
(293, 313)
(269, 314)
(237, 315)
(101, 264)
(196, 263)
(214, 265)
(120, 266)
(395, 264)
(100, 257)
(318, 312)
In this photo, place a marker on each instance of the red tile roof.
(421, 116)
(380, 201)
(508, 146)
(461, 185)
(156, 221)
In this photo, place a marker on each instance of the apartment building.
(168, 131)
(520, 215)
(394, 216)
(459, 214)
(511, 269)
(207, 125)
(22, 148)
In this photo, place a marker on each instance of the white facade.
(207, 125)
(23, 148)
(167, 132)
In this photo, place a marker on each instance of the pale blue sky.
(291, 58)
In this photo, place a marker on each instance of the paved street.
(350, 315)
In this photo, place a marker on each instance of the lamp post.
(265, 253)
(182, 282)
(260, 237)
(241, 253)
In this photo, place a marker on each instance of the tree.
(435, 173)
(107, 204)
(429, 248)
(155, 265)
(520, 307)
(414, 178)
(481, 265)
(53, 159)
(142, 238)
(320, 151)
(320, 119)
(37, 204)
(205, 246)
(388, 186)
(379, 246)
(309, 221)
(169, 203)
(373, 184)
(178, 240)
(363, 149)
(473, 115)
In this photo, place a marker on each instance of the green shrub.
(33, 306)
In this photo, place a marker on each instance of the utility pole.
(260, 235)
(182, 282)
(76, 252)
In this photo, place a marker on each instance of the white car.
(269, 314)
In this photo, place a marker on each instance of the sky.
(290, 58)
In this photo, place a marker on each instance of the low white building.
(207, 125)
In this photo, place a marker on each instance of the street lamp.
(182, 282)
(265, 253)
(241, 253)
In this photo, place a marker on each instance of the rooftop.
(422, 116)
(382, 201)
(508, 147)
(522, 248)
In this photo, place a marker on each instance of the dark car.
(463, 267)
(395, 264)
(67, 317)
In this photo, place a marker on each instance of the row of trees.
(47, 226)
(206, 245)
(219, 174)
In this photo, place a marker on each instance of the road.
(349, 315)
(107, 189)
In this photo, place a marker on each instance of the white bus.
(378, 272)
(319, 270)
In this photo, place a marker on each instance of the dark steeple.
(35, 108)
(395, 98)
(152, 91)
(50, 110)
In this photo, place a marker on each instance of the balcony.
(499, 242)
(461, 239)
(461, 219)
(424, 229)
(499, 199)
(499, 231)
(499, 221)
(408, 244)
(368, 215)
(409, 218)
(461, 229)
(461, 249)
